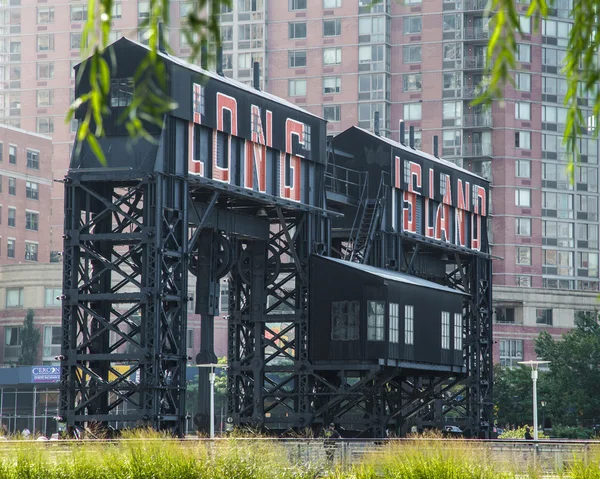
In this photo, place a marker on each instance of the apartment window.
(1, 153)
(458, 331)
(332, 56)
(345, 318)
(412, 111)
(523, 53)
(297, 4)
(45, 15)
(511, 352)
(332, 85)
(523, 81)
(33, 160)
(332, 113)
(14, 299)
(412, 25)
(409, 324)
(452, 81)
(525, 24)
(332, 3)
(45, 125)
(297, 87)
(11, 339)
(523, 140)
(543, 316)
(12, 154)
(297, 30)
(445, 330)
(523, 254)
(31, 251)
(12, 186)
(297, 59)
(371, 86)
(523, 226)
(52, 341)
(45, 98)
(332, 28)
(75, 41)
(523, 197)
(79, 13)
(523, 110)
(53, 297)
(10, 247)
(117, 10)
(32, 190)
(375, 320)
(589, 262)
(45, 43)
(523, 281)
(143, 9)
(394, 318)
(523, 168)
(32, 221)
(412, 82)
(452, 110)
(45, 71)
(189, 339)
(411, 54)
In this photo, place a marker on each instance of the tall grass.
(150, 455)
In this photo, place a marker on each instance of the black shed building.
(361, 314)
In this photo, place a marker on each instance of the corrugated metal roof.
(400, 146)
(393, 275)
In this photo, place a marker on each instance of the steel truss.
(124, 300)
(269, 384)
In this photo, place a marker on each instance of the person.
(26, 433)
(528, 435)
(331, 435)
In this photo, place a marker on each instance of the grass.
(150, 455)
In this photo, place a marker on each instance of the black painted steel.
(234, 185)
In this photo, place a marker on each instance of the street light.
(211, 380)
(534, 376)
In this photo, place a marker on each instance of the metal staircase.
(366, 223)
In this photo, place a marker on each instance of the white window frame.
(409, 324)
(445, 330)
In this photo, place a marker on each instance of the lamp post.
(543, 404)
(211, 380)
(534, 376)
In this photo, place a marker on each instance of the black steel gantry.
(234, 186)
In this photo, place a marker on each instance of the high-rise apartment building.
(420, 61)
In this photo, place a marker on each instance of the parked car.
(452, 431)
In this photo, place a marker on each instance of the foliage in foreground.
(150, 455)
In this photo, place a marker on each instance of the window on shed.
(394, 323)
(344, 316)
(445, 330)
(458, 331)
(375, 320)
(409, 324)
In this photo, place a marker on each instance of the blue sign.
(45, 374)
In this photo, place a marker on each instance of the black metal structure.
(239, 184)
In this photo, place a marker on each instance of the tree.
(573, 382)
(513, 395)
(30, 339)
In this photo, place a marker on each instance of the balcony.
(477, 120)
(476, 33)
(474, 62)
(474, 5)
(474, 150)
